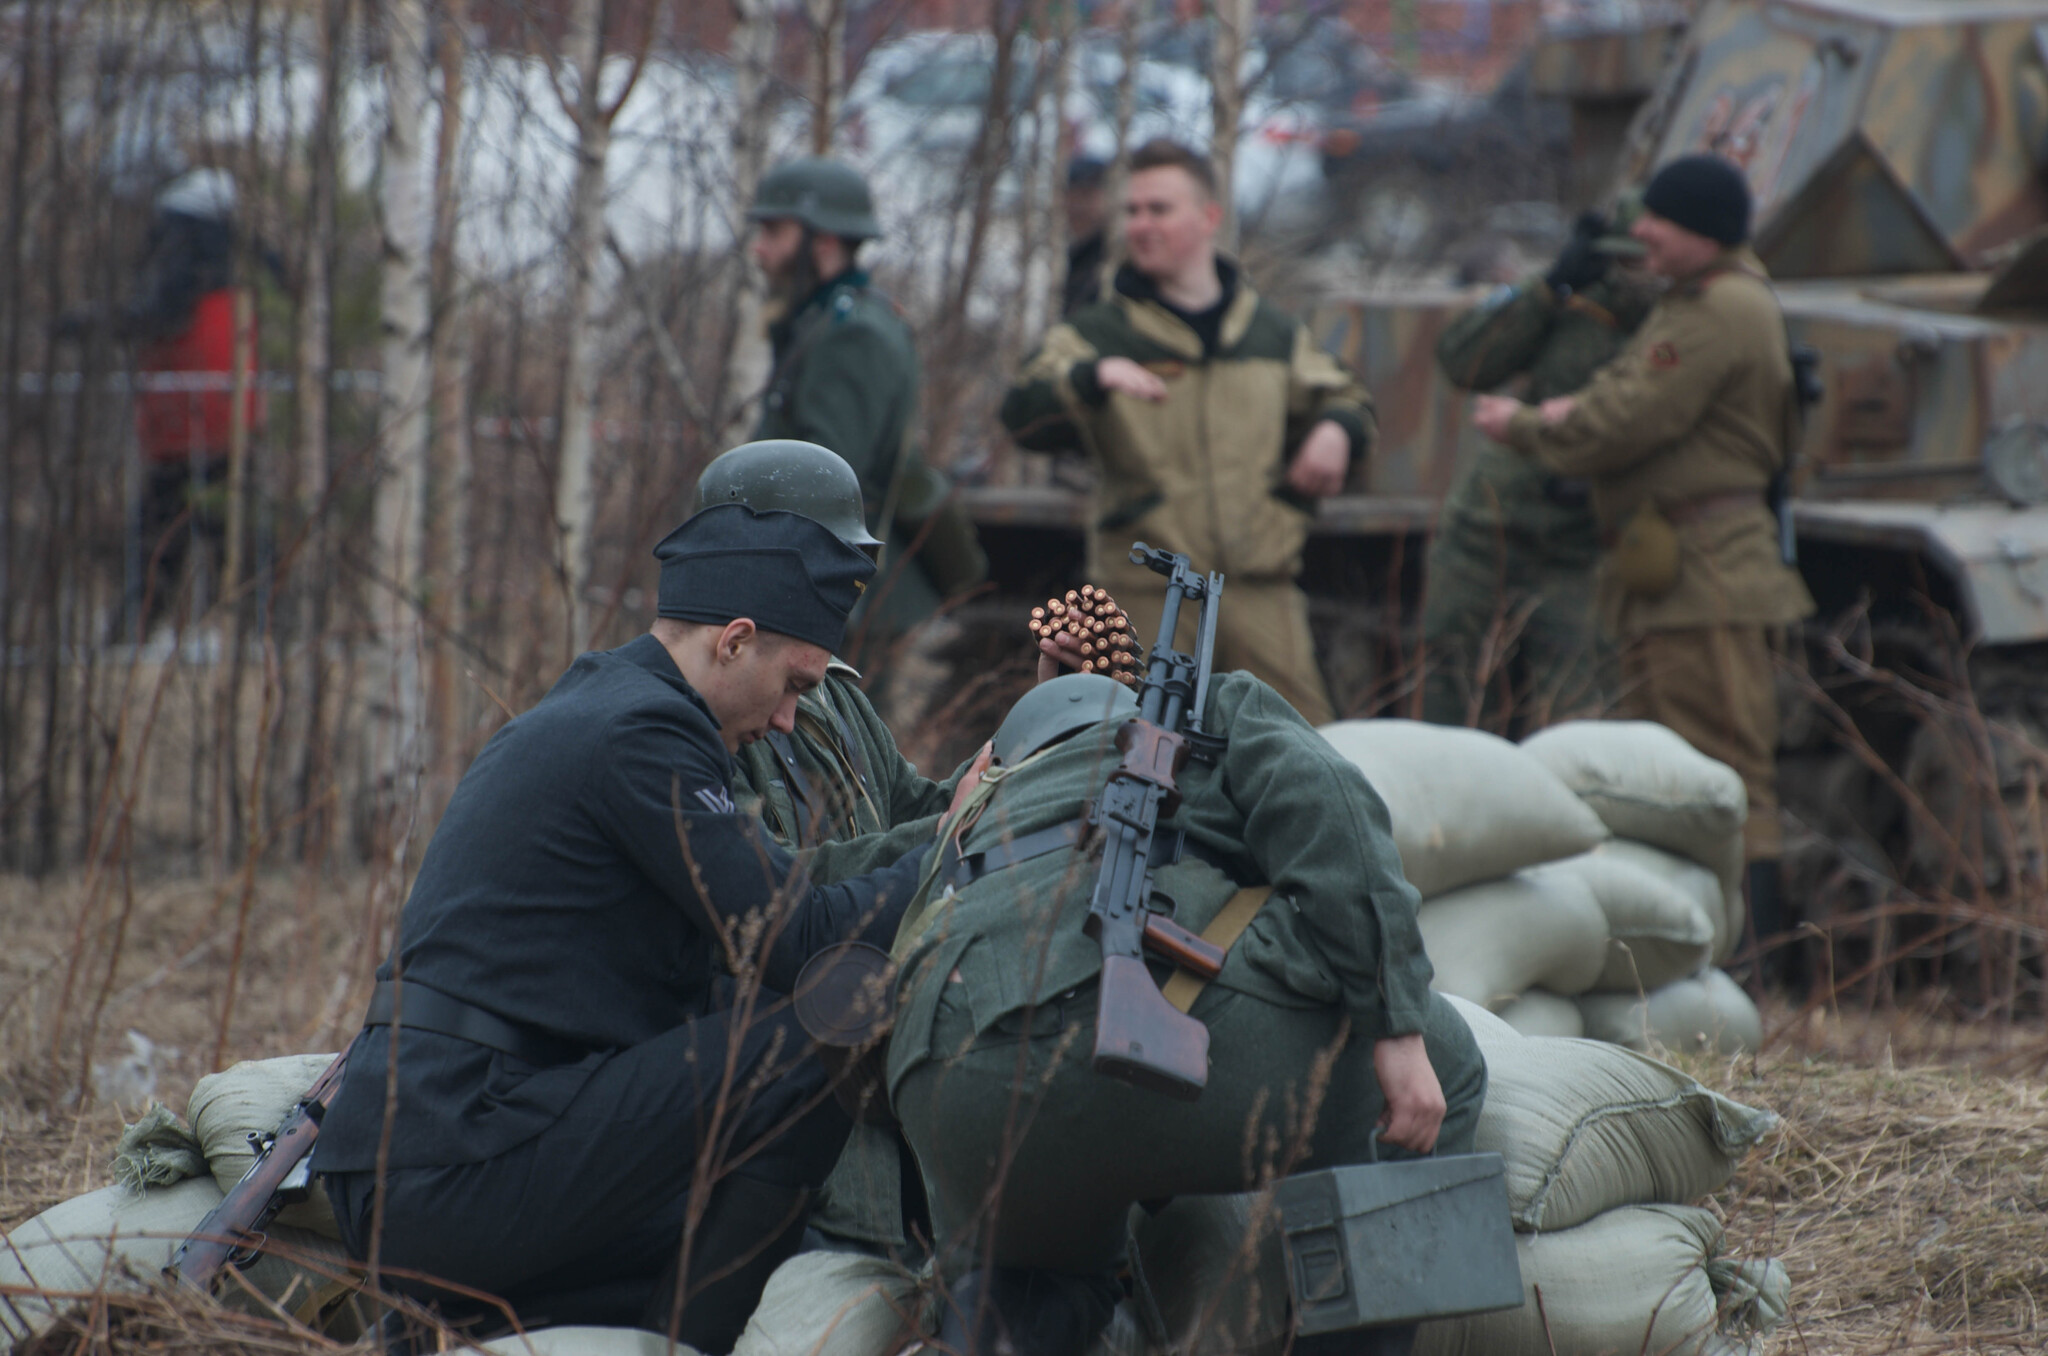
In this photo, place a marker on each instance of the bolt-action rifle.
(1139, 1036)
(281, 1175)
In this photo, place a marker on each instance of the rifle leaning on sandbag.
(282, 1175)
(1139, 1036)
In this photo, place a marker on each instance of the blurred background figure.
(181, 317)
(1508, 624)
(1087, 206)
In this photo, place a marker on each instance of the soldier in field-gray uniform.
(1322, 1024)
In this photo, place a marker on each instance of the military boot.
(1013, 1311)
(750, 1228)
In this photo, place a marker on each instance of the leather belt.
(427, 1009)
(1712, 506)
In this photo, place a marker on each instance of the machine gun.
(280, 1176)
(1139, 1036)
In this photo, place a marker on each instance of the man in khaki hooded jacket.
(1680, 436)
(1214, 420)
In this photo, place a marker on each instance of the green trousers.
(1031, 1159)
(1509, 635)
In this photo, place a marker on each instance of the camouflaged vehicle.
(1898, 152)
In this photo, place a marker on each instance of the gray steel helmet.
(784, 473)
(824, 194)
(1055, 709)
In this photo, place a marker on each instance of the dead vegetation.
(1907, 1193)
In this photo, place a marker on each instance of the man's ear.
(1212, 211)
(734, 639)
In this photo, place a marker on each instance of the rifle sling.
(1182, 988)
(426, 1009)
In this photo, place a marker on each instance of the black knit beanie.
(1703, 193)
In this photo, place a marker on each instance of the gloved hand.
(1579, 264)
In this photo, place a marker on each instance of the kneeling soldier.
(572, 1072)
(1321, 1023)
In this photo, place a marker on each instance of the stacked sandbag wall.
(1584, 882)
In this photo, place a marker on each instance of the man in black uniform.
(576, 1081)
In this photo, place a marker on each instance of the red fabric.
(178, 425)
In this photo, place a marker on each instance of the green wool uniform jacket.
(846, 377)
(1280, 807)
(838, 777)
(1556, 344)
(1203, 471)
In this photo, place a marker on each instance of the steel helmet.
(824, 194)
(1057, 708)
(800, 477)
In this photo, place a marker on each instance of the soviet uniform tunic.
(1692, 421)
(846, 378)
(1515, 545)
(560, 895)
(996, 1013)
(1202, 472)
(837, 778)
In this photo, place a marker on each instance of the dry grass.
(1908, 1193)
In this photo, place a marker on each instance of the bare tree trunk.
(1043, 303)
(403, 424)
(575, 485)
(315, 336)
(1232, 27)
(827, 69)
(444, 556)
(749, 360)
(1120, 165)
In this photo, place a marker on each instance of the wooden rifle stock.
(1139, 1036)
(1168, 940)
(280, 1176)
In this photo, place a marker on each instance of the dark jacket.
(558, 894)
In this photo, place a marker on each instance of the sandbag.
(118, 1239)
(1487, 1029)
(254, 1097)
(1212, 1280)
(1466, 805)
(831, 1304)
(1657, 931)
(1489, 943)
(1645, 782)
(1707, 1013)
(1706, 888)
(577, 1341)
(1639, 1279)
(1539, 1013)
(1585, 1127)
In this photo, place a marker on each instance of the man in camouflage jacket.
(1213, 419)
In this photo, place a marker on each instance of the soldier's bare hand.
(970, 779)
(1323, 462)
(1121, 374)
(1491, 413)
(1057, 654)
(1555, 409)
(1415, 1100)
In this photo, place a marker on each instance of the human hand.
(1415, 1100)
(1491, 413)
(1121, 374)
(1556, 408)
(968, 781)
(1319, 468)
(1059, 653)
(1580, 263)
